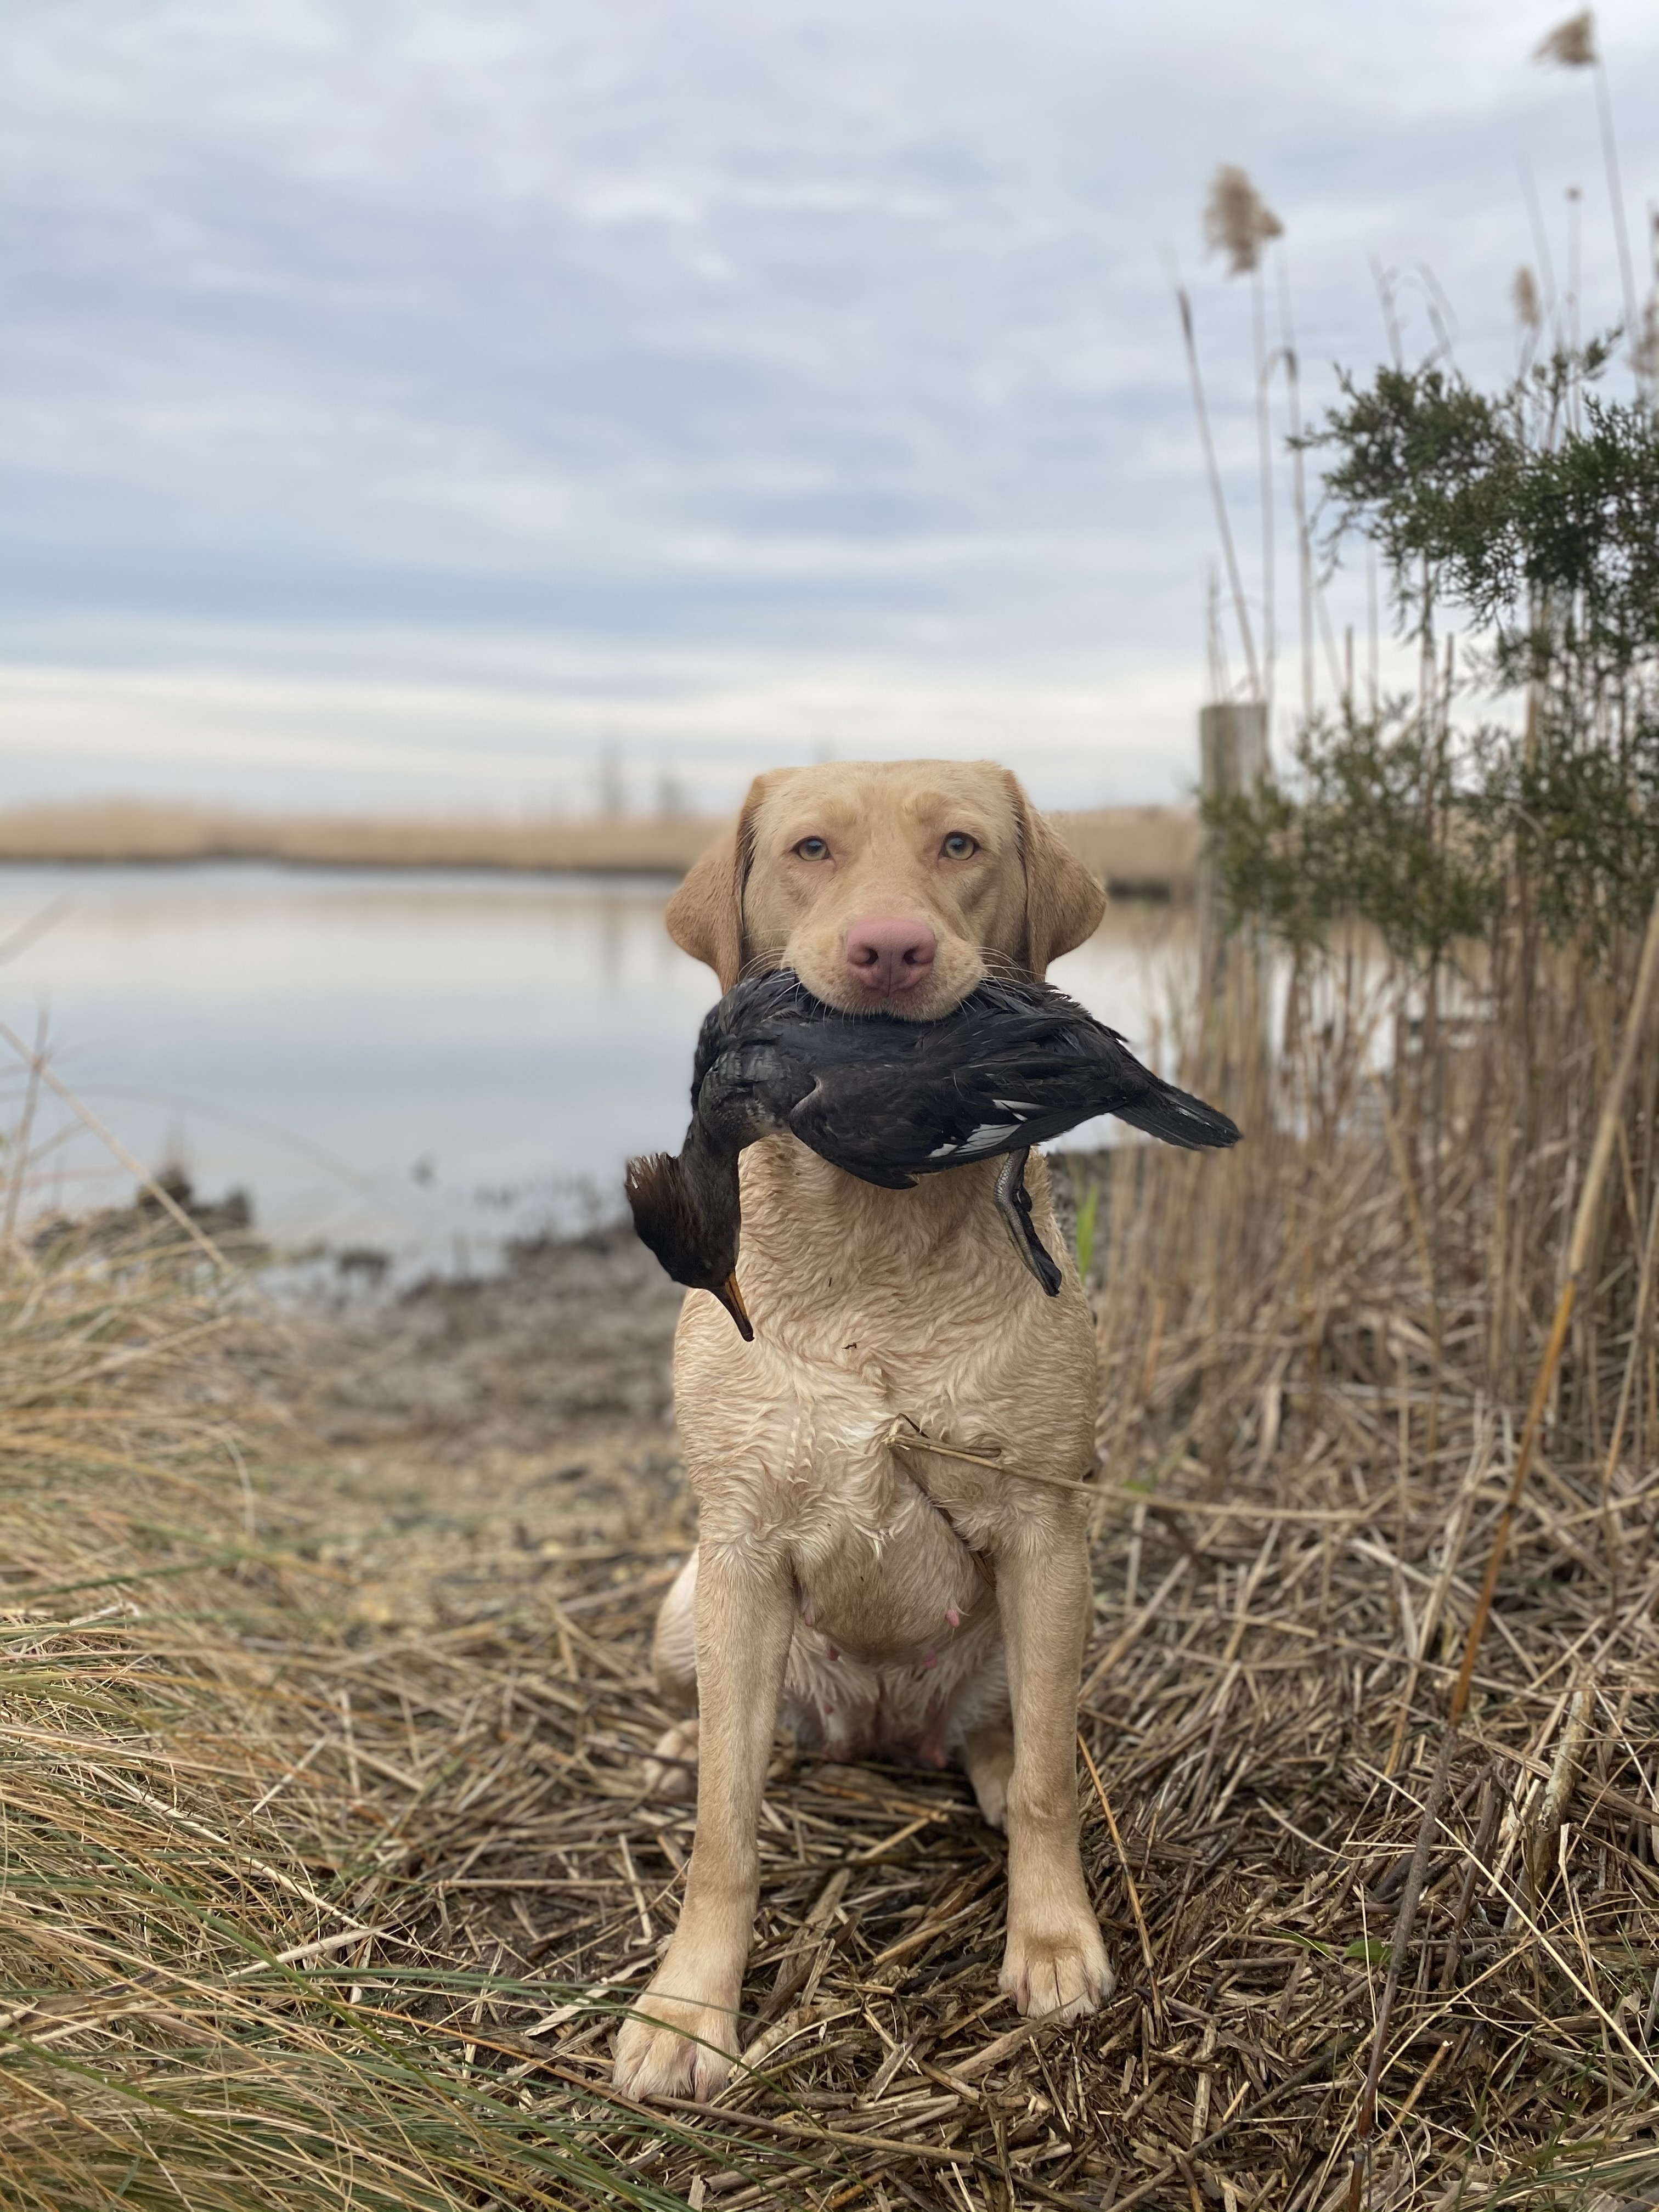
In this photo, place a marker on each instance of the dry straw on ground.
(325, 1871)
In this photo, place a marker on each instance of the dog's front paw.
(674, 2047)
(671, 1769)
(1058, 1972)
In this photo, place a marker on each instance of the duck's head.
(694, 1235)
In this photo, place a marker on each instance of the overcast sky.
(416, 403)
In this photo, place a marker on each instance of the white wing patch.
(990, 1134)
(985, 1139)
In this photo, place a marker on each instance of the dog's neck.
(781, 1172)
(819, 1245)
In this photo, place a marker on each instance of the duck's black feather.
(887, 1100)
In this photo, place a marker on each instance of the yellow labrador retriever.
(896, 1605)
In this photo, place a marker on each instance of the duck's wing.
(1015, 1065)
(869, 1106)
(864, 1120)
(1040, 1097)
(888, 1106)
(1009, 1070)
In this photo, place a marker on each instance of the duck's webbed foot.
(1014, 1205)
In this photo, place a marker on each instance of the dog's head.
(894, 886)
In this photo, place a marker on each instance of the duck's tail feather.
(1175, 1117)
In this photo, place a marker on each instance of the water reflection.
(423, 1063)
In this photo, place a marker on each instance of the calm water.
(423, 1064)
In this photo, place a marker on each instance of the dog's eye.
(812, 849)
(959, 846)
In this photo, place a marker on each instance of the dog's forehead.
(846, 795)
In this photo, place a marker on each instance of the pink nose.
(889, 954)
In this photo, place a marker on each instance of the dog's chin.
(930, 999)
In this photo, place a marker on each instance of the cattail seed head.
(1571, 44)
(1523, 297)
(1237, 220)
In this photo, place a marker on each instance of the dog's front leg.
(683, 2036)
(1055, 1961)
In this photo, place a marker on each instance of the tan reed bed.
(198, 1858)
(306, 1905)
(1138, 849)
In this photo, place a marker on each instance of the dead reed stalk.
(1586, 1219)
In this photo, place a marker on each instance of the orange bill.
(731, 1298)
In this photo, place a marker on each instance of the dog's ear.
(705, 915)
(1064, 901)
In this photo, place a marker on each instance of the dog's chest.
(906, 1324)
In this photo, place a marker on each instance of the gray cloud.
(376, 343)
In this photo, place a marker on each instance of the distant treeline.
(1139, 851)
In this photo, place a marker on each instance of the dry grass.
(305, 1906)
